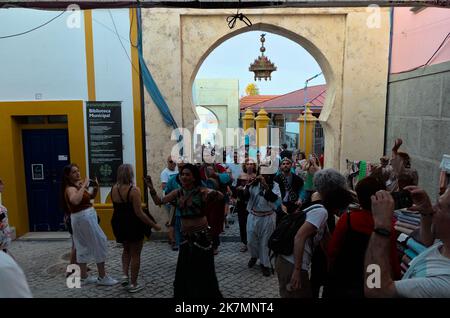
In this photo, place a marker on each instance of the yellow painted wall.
(12, 164)
(11, 161)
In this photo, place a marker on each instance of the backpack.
(282, 239)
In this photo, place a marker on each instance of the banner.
(104, 128)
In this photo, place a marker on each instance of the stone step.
(45, 236)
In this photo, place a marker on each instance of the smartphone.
(402, 199)
(91, 183)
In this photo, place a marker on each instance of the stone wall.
(343, 42)
(419, 113)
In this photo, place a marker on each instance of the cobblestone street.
(44, 264)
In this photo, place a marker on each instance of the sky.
(233, 57)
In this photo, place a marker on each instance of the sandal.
(244, 248)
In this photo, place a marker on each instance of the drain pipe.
(388, 76)
(143, 132)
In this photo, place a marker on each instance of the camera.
(402, 199)
(91, 183)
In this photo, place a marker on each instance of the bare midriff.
(193, 224)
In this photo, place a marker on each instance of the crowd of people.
(344, 231)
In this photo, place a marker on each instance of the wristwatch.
(382, 232)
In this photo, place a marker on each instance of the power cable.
(431, 58)
(33, 29)
(118, 37)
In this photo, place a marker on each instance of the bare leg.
(101, 269)
(126, 258)
(171, 234)
(73, 258)
(83, 270)
(73, 255)
(135, 251)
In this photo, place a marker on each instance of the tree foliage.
(252, 89)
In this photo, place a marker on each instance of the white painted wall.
(113, 77)
(51, 61)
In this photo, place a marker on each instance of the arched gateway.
(351, 46)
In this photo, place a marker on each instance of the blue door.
(46, 152)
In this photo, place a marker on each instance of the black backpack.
(282, 239)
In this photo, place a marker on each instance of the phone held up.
(402, 199)
(91, 183)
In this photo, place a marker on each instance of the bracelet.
(382, 232)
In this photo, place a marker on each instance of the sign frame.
(105, 144)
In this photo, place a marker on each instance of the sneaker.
(265, 270)
(135, 288)
(88, 280)
(106, 281)
(252, 262)
(125, 281)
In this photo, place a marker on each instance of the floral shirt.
(5, 231)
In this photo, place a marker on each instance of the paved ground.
(44, 263)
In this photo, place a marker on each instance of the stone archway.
(330, 130)
(353, 57)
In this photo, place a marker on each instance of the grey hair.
(328, 180)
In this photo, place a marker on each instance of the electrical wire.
(118, 37)
(430, 59)
(107, 28)
(33, 29)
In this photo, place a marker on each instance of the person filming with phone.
(429, 273)
(88, 237)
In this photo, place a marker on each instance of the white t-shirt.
(258, 203)
(428, 275)
(13, 283)
(166, 173)
(316, 215)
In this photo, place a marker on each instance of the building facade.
(419, 90)
(48, 78)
